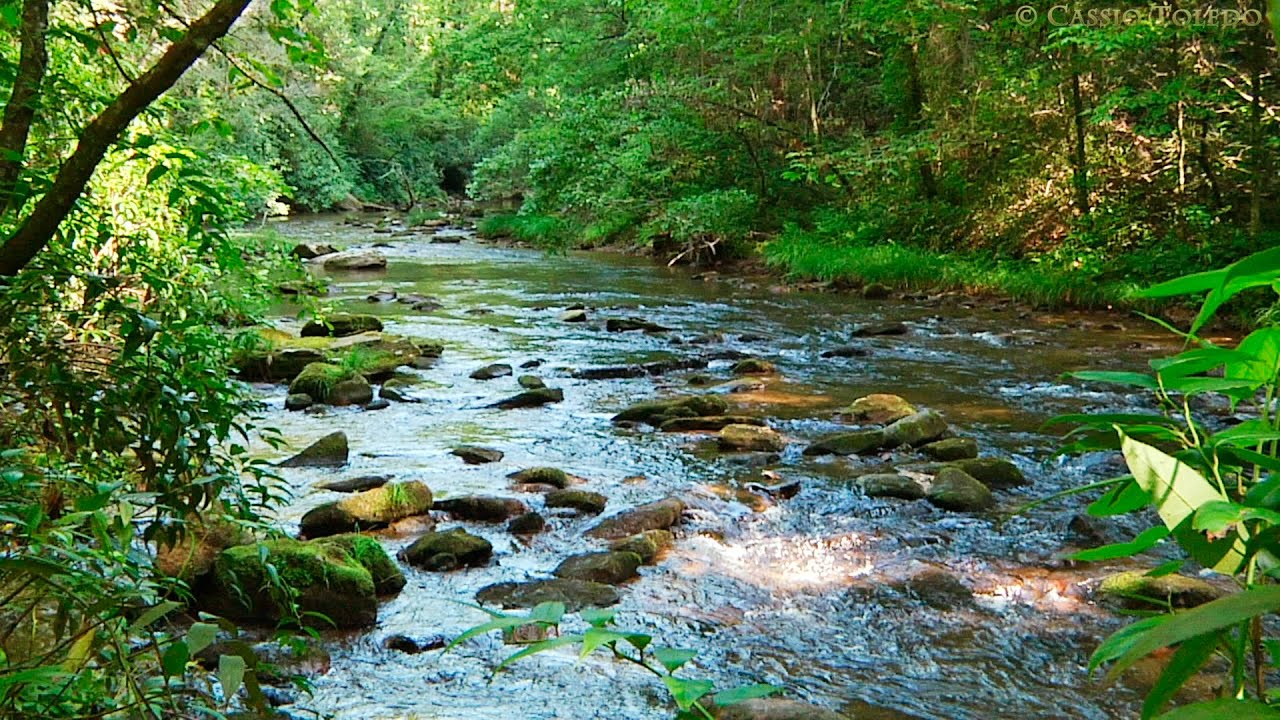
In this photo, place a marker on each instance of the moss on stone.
(542, 476)
(369, 553)
(318, 380)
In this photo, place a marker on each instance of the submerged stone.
(1137, 590)
(575, 594)
(891, 485)
(708, 423)
(610, 568)
(751, 438)
(955, 489)
(850, 443)
(658, 515)
(585, 502)
(959, 448)
(554, 477)
(995, 473)
(329, 451)
(659, 411)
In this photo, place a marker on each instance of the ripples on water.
(821, 593)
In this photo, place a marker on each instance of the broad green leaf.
(1177, 491)
(1168, 568)
(1146, 540)
(673, 658)
(1259, 356)
(1207, 618)
(1224, 708)
(742, 693)
(598, 617)
(174, 660)
(1197, 385)
(1115, 646)
(502, 623)
(201, 636)
(1132, 379)
(687, 692)
(153, 614)
(550, 613)
(595, 637)
(1185, 285)
(1184, 664)
(1218, 517)
(1249, 432)
(1120, 500)
(540, 646)
(1265, 494)
(230, 673)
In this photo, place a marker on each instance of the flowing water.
(813, 592)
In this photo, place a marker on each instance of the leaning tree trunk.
(42, 224)
(20, 111)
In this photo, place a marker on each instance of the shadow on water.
(885, 608)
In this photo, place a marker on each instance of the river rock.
(750, 438)
(610, 568)
(473, 455)
(574, 316)
(192, 555)
(329, 451)
(959, 448)
(448, 550)
(648, 544)
(995, 473)
(481, 508)
(891, 485)
(397, 390)
(876, 291)
(955, 489)
(317, 380)
(662, 367)
(846, 351)
(937, 588)
(490, 372)
(381, 296)
(575, 594)
(329, 577)
(707, 423)
(880, 329)
(585, 502)
(352, 391)
(530, 399)
(367, 510)
(850, 443)
(531, 382)
(554, 477)
(342, 325)
(298, 401)
(915, 430)
(1137, 590)
(354, 260)
(310, 251)
(879, 408)
(631, 324)
(412, 646)
(610, 373)
(356, 484)
(753, 366)
(659, 411)
(658, 515)
(274, 365)
(530, 523)
(777, 709)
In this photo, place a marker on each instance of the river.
(812, 593)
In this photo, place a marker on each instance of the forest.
(751, 360)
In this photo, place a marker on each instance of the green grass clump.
(536, 229)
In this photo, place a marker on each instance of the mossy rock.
(368, 510)
(192, 555)
(955, 489)
(474, 455)
(585, 502)
(891, 485)
(530, 399)
(448, 550)
(531, 382)
(611, 568)
(750, 438)
(352, 391)
(709, 423)
(326, 577)
(554, 477)
(753, 366)
(658, 515)
(298, 401)
(491, 372)
(960, 448)
(270, 364)
(657, 412)
(1137, 590)
(530, 523)
(342, 325)
(482, 508)
(849, 443)
(995, 473)
(319, 380)
(879, 408)
(387, 577)
(648, 544)
(329, 451)
(575, 594)
(915, 430)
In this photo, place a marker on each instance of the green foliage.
(1217, 493)
(694, 698)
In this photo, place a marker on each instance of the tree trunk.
(915, 118)
(40, 227)
(20, 111)
(1079, 160)
(1257, 150)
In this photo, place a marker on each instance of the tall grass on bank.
(806, 254)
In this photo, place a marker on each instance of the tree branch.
(98, 137)
(20, 111)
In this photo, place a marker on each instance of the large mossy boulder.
(995, 473)
(368, 510)
(192, 555)
(915, 430)
(329, 451)
(448, 550)
(750, 438)
(955, 489)
(611, 568)
(659, 411)
(1135, 590)
(658, 515)
(879, 408)
(387, 577)
(332, 384)
(847, 443)
(331, 578)
(341, 325)
(575, 594)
